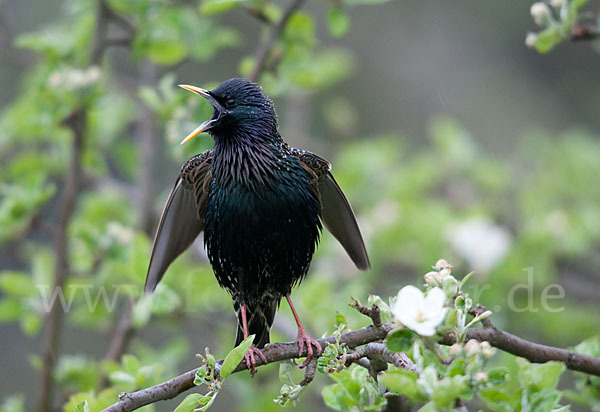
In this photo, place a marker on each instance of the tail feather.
(260, 319)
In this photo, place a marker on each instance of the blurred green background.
(450, 138)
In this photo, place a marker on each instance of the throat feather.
(245, 162)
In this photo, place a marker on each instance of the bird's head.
(239, 106)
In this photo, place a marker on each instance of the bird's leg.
(249, 356)
(303, 338)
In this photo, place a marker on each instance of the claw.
(304, 339)
(250, 361)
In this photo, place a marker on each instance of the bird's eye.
(229, 103)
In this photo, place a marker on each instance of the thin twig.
(309, 372)
(100, 42)
(259, 15)
(146, 140)
(584, 33)
(479, 310)
(399, 360)
(264, 48)
(373, 312)
(121, 337)
(379, 356)
(76, 122)
(145, 131)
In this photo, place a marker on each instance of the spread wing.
(336, 212)
(182, 219)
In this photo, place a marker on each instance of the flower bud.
(487, 350)
(450, 286)
(540, 13)
(432, 279)
(531, 40)
(442, 264)
(480, 378)
(472, 348)
(455, 350)
(444, 273)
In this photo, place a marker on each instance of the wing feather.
(336, 212)
(182, 219)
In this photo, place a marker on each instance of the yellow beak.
(209, 123)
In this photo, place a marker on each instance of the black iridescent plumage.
(260, 204)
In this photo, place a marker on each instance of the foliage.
(559, 20)
(414, 205)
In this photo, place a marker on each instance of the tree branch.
(100, 42)
(263, 50)
(76, 121)
(534, 352)
(370, 336)
(274, 353)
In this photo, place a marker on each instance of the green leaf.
(400, 340)
(10, 310)
(122, 378)
(331, 395)
(82, 407)
(573, 10)
(337, 22)
(448, 390)
(496, 399)
(547, 39)
(457, 367)
(13, 403)
(166, 52)
(31, 323)
(189, 403)
(131, 364)
(429, 407)
(218, 6)
(233, 358)
(402, 382)
(497, 375)
(151, 98)
(17, 284)
(548, 374)
(340, 319)
(207, 400)
(545, 400)
(165, 300)
(285, 370)
(142, 311)
(539, 377)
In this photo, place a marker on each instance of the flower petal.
(436, 297)
(410, 295)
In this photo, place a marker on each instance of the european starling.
(260, 203)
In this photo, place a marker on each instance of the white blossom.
(530, 40)
(418, 312)
(482, 243)
(540, 13)
(481, 378)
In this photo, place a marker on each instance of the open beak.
(209, 123)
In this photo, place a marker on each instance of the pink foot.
(250, 361)
(303, 339)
